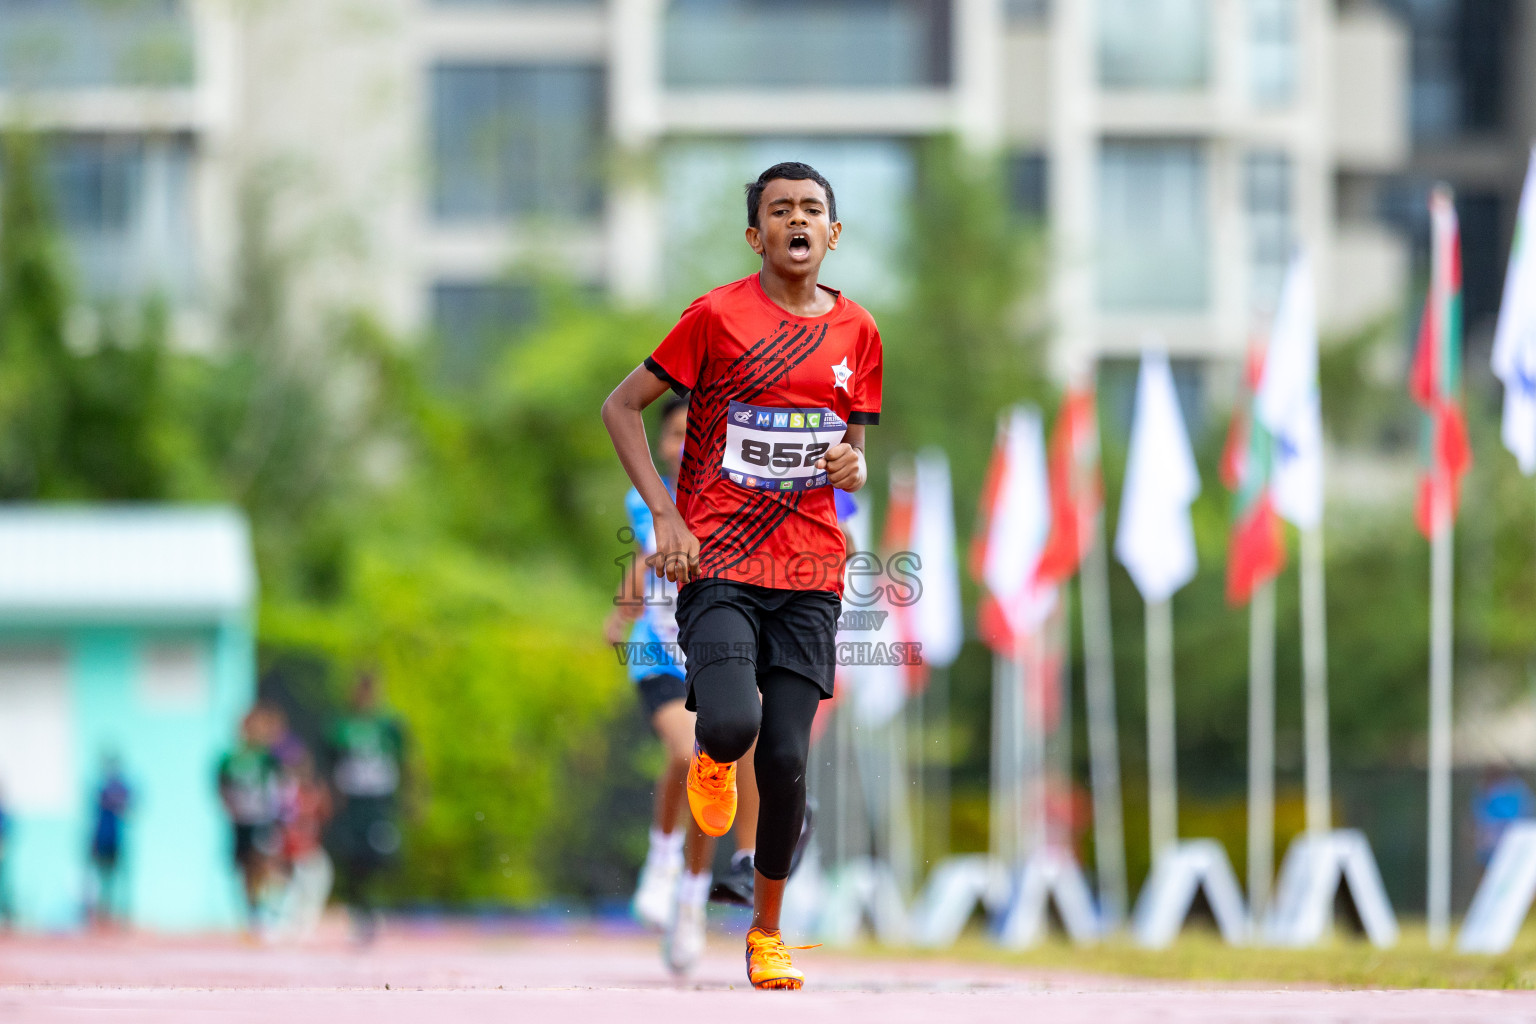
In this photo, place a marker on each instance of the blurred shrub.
(506, 688)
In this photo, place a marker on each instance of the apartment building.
(136, 97)
(420, 150)
(1473, 119)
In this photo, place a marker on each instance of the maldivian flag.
(1256, 552)
(1436, 379)
(1076, 493)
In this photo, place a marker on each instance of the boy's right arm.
(677, 549)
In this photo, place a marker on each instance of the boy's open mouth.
(799, 244)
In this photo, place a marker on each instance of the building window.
(837, 43)
(1027, 11)
(1272, 56)
(1153, 239)
(124, 205)
(1460, 65)
(1267, 197)
(1027, 184)
(62, 44)
(702, 182)
(1117, 378)
(474, 321)
(1154, 44)
(516, 140)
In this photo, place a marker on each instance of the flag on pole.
(1286, 401)
(901, 570)
(878, 689)
(1514, 343)
(1435, 382)
(1256, 551)
(1075, 489)
(1155, 539)
(1015, 514)
(936, 618)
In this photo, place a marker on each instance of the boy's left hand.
(845, 467)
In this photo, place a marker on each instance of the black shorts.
(658, 690)
(788, 629)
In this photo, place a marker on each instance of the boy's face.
(674, 430)
(793, 232)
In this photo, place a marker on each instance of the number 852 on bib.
(775, 449)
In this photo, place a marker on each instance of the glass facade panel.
(1273, 53)
(703, 189)
(124, 205)
(1028, 184)
(811, 43)
(1154, 44)
(474, 320)
(1461, 53)
(1153, 251)
(61, 44)
(1267, 196)
(516, 141)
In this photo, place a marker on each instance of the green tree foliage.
(505, 687)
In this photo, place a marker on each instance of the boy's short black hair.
(673, 403)
(791, 170)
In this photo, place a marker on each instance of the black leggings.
(731, 716)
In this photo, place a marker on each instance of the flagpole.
(898, 820)
(916, 760)
(999, 788)
(1103, 731)
(841, 782)
(1261, 749)
(1442, 566)
(1036, 770)
(1314, 658)
(1061, 752)
(1162, 796)
(1023, 792)
(938, 688)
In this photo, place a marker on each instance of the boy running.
(785, 374)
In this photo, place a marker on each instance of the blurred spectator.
(1502, 798)
(306, 807)
(104, 897)
(364, 756)
(249, 786)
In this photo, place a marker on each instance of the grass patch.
(1345, 962)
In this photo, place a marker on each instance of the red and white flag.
(1015, 516)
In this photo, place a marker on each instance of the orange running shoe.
(711, 793)
(768, 963)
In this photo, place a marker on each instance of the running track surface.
(578, 976)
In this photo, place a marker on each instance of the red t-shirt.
(771, 392)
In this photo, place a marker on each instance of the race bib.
(775, 449)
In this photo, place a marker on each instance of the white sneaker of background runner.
(685, 942)
(656, 894)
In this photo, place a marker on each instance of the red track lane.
(574, 977)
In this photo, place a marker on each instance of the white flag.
(935, 618)
(1020, 524)
(1514, 344)
(1287, 400)
(1155, 540)
(878, 692)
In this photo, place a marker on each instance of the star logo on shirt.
(840, 374)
